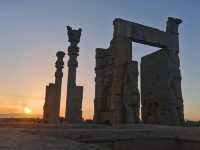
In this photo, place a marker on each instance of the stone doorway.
(140, 50)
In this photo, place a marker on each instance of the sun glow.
(27, 110)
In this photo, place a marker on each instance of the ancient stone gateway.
(117, 96)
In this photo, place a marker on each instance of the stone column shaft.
(58, 80)
(53, 93)
(73, 111)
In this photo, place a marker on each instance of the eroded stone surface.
(111, 99)
(162, 101)
(128, 105)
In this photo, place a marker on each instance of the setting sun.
(27, 110)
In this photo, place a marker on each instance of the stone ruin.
(53, 93)
(117, 97)
(74, 92)
(130, 101)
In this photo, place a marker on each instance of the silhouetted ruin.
(53, 93)
(74, 93)
(117, 97)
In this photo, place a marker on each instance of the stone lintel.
(145, 35)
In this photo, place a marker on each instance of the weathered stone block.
(159, 104)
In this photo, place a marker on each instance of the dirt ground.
(39, 136)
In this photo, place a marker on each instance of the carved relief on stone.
(161, 95)
(131, 96)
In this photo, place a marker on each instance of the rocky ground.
(38, 136)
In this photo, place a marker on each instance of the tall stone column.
(53, 93)
(162, 101)
(58, 80)
(121, 49)
(74, 93)
(174, 67)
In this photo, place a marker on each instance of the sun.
(27, 110)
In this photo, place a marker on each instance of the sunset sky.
(31, 31)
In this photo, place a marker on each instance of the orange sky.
(32, 95)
